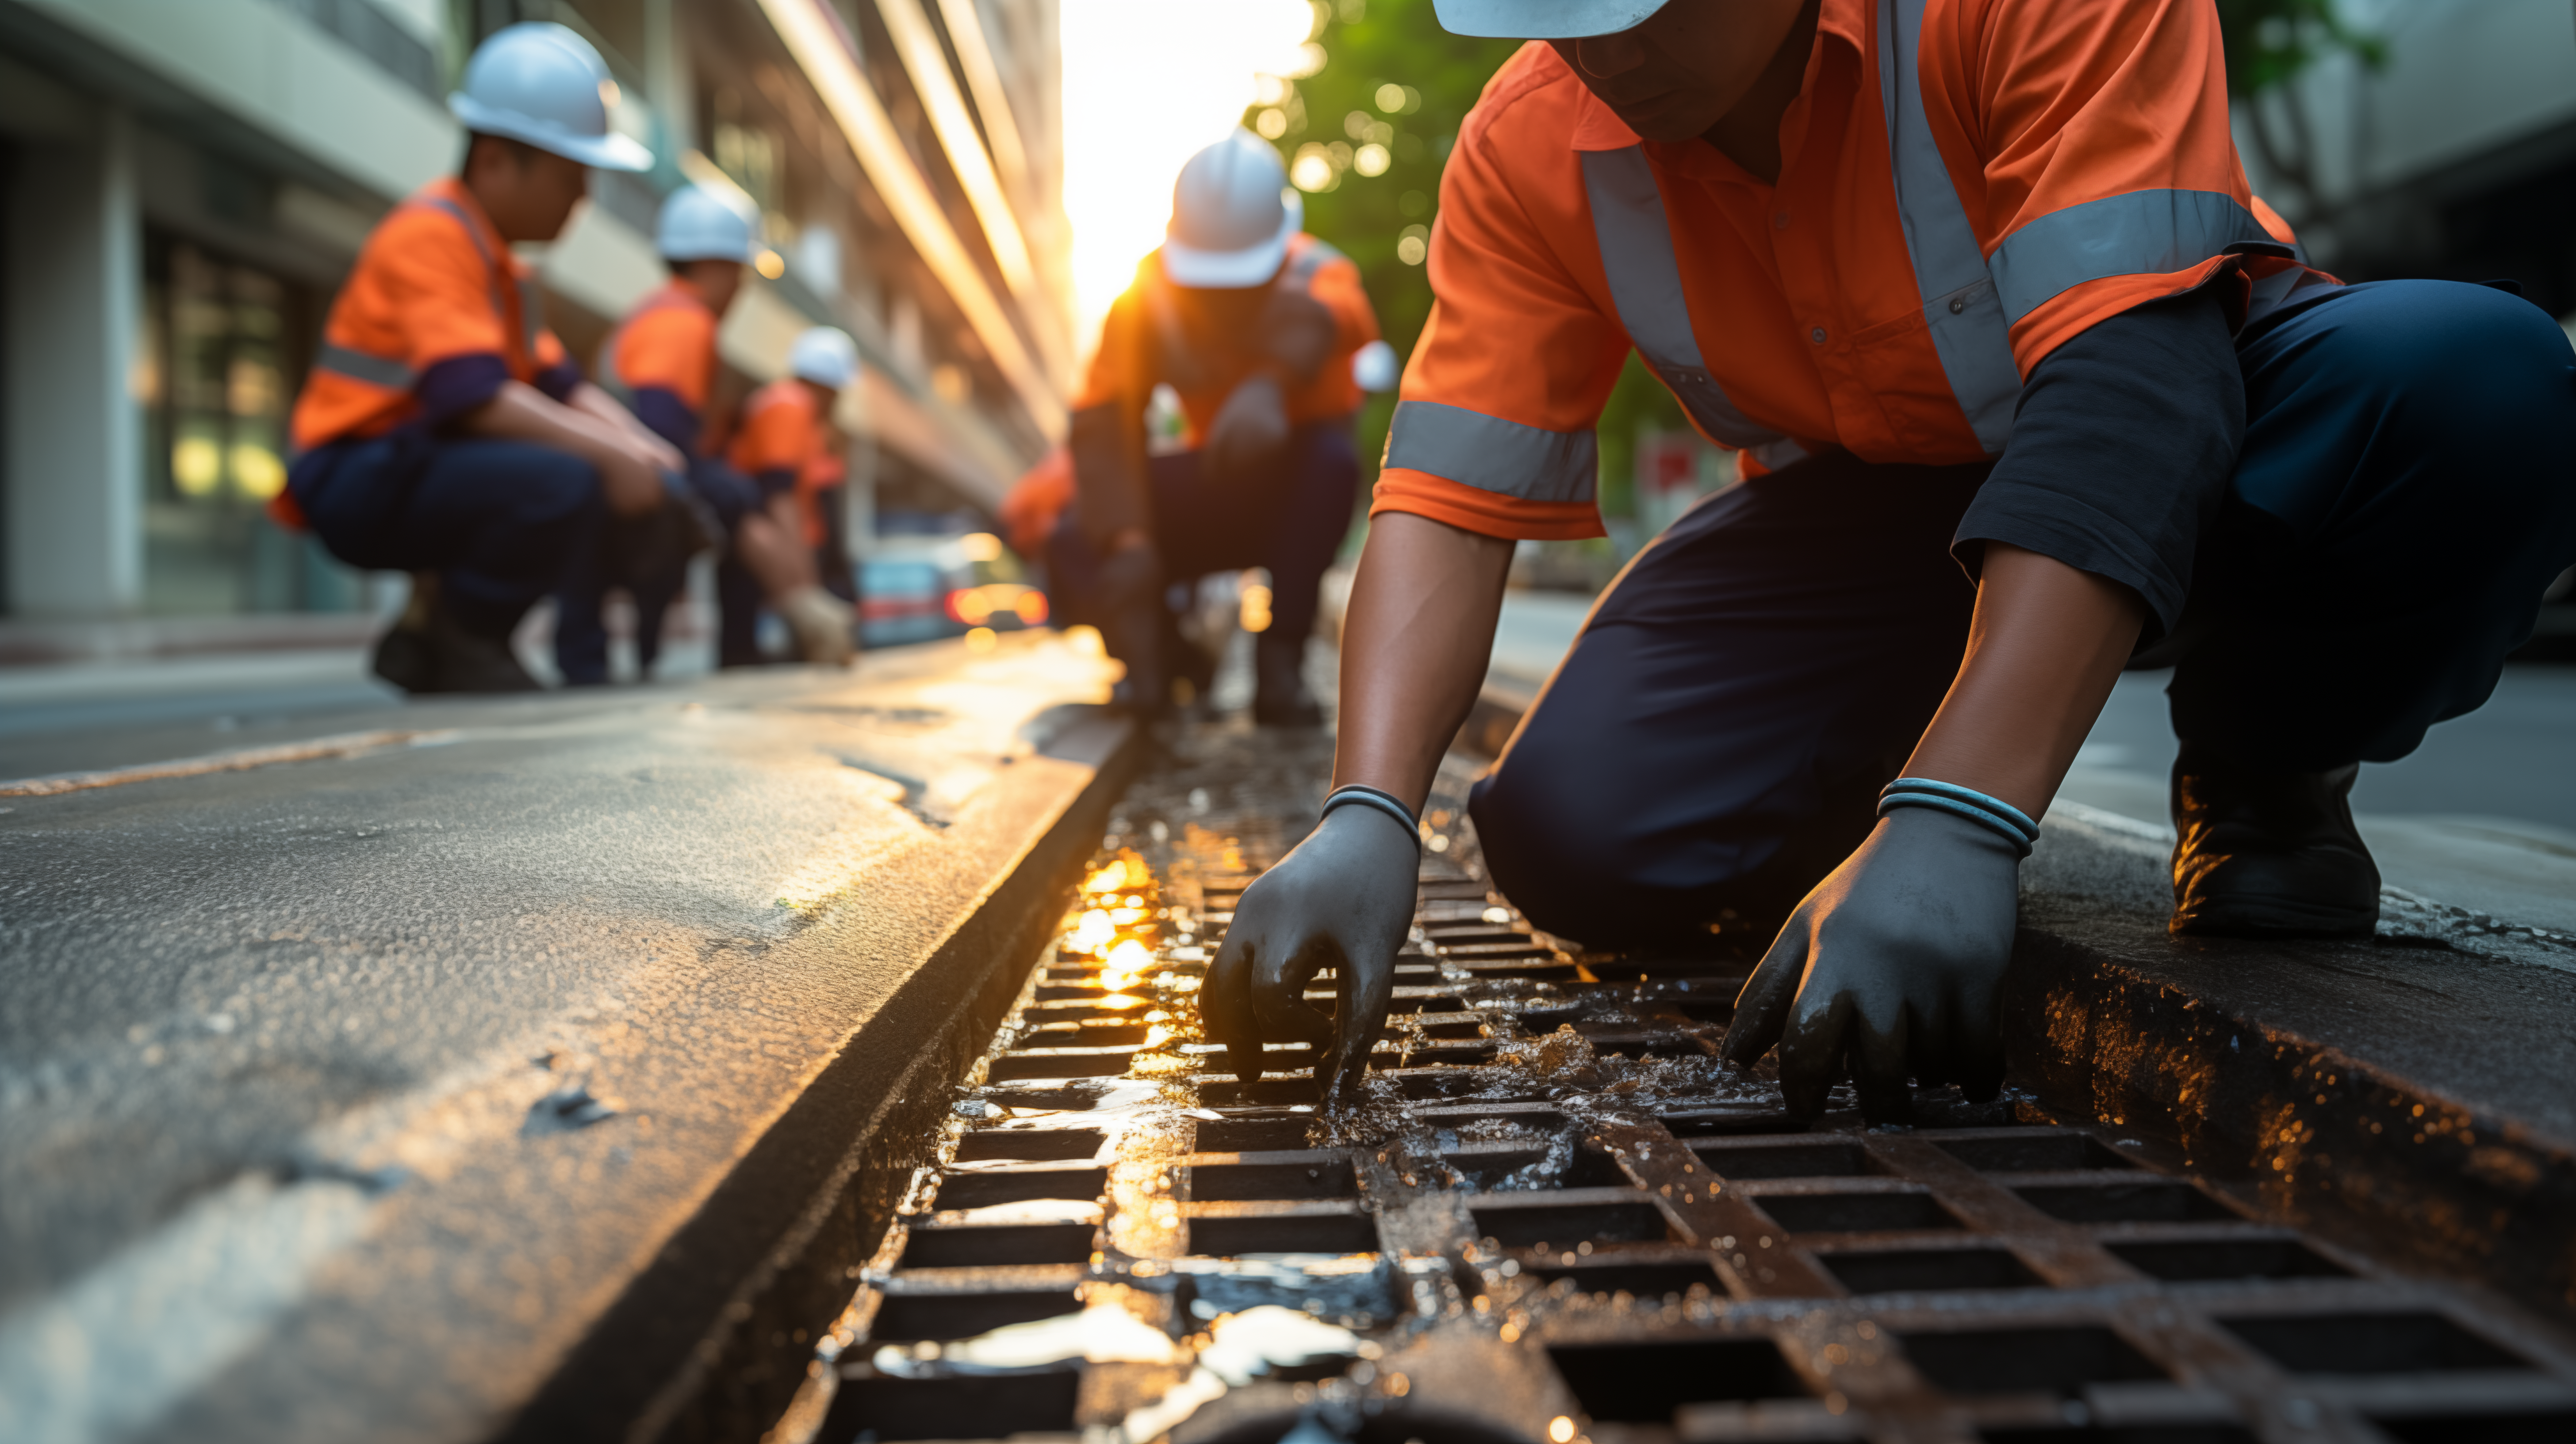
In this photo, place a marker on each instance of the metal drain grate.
(1558, 1220)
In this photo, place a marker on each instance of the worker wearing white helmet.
(788, 446)
(443, 431)
(662, 362)
(1256, 326)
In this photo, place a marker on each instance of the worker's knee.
(2386, 399)
(1561, 841)
(2438, 363)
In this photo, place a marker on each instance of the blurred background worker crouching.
(1253, 323)
(789, 448)
(443, 430)
(662, 362)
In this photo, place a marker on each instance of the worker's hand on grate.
(1342, 899)
(1891, 969)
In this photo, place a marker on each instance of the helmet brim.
(600, 152)
(1253, 265)
(1542, 19)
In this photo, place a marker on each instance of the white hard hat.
(700, 224)
(540, 83)
(1232, 215)
(1375, 368)
(1542, 19)
(825, 356)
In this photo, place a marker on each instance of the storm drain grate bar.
(1558, 1219)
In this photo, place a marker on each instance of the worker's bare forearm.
(1414, 648)
(520, 412)
(2047, 643)
(590, 400)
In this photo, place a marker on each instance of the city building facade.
(187, 181)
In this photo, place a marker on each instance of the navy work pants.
(1716, 739)
(500, 522)
(653, 579)
(1289, 520)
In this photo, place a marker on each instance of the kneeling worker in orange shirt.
(443, 431)
(1254, 324)
(786, 447)
(662, 362)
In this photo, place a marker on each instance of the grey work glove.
(1891, 969)
(1342, 899)
(1250, 431)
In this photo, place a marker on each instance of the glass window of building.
(224, 345)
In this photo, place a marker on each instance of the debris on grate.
(1554, 1216)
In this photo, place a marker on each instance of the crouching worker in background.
(443, 432)
(1254, 324)
(661, 362)
(787, 447)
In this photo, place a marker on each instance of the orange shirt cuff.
(1484, 512)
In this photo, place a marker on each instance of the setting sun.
(1146, 84)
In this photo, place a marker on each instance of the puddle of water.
(1184, 1328)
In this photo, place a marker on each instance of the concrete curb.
(713, 1337)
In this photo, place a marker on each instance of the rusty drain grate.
(1558, 1220)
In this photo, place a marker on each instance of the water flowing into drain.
(1554, 1216)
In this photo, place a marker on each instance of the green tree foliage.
(1394, 79)
(2271, 41)
(2269, 44)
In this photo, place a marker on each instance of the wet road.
(515, 980)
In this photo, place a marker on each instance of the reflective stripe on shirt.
(2150, 231)
(1636, 242)
(1960, 306)
(1491, 454)
(384, 371)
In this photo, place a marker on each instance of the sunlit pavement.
(366, 1037)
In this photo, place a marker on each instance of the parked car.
(920, 589)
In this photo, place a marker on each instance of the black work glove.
(1342, 899)
(1891, 969)
(1250, 432)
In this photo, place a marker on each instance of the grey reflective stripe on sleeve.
(2140, 233)
(1636, 243)
(363, 366)
(1491, 454)
(1960, 305)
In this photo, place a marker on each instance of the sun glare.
(1146, 84)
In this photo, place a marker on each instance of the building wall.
(2455, 158)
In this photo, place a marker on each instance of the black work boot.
(1279, 695)
(404, 655)
(2268, 854)
(470, 662)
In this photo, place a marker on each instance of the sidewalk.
(2509, 850)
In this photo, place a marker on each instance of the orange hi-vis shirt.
(784, 431)
(1964, 185)
(666, 343)
(434, 282)
(1158, 333)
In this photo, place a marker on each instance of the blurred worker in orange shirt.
(443, 431)
(662, 362)
(823, 504)
(1254, 324)
(787, 447)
